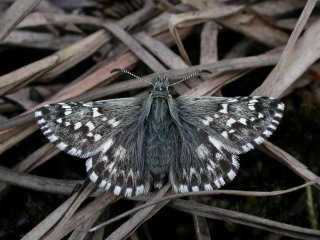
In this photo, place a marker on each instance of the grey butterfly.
(133, 145)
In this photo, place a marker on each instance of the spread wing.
(108, 134)
(213, 131)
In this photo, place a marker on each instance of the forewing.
(83, 129)
(213, 131)
(109, 133)
(236, 124)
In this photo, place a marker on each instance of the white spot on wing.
(113, 122)
(66, 106)
(52, 138)
(221, 180)
(74, 151)
(253, 101)
(38, 114)
(230, 122)
(88, 104)
(213, 165)
(224, 108)
(93, 176)
(117, 190)
(225, 134)
(278, 115)
(258, 140)
(41, 121)
(281, 106)
(202, 151)
(89, 164)
(251, 107)
(120, 153)
(272, 126)
(231, 131)
(207, 121)
(216, 182)
(128, 192)
(243, 121)
(260, 115)
(267, 133)
(105, 147)
(59, 120)
(195, 189)
(231, 174)
(77, 125)
(219, 156)
(108, 186)
(235, 162)
(208, 187)
(68, 112)
(90, 125)
(139, 190)
(103, 183)
(247, 147)
(95, 112)
(215, 142)
(47, 131)
(183, 188)
(62, 146)
(97, 137)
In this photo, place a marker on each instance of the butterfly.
(133, 145)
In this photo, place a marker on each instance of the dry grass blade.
(137, 219)
(79, 234)
(296, 58)
(135, 47)
(38, 231)
(17, 11)
(82, 215)
(37, 183)
(10, 137)
(203, 193)
(209, 43)
(29, 71)
(87, 188)
(201, 226)
(40, 40)
(169, 58)
(245, 219)
(255, 28)
(192, 18)
(33, 160)
(289, 161)
(38, 19)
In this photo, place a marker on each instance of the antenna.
(196, 73)
(129, 73)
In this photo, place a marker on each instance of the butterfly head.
(161, 83)
(160, 87)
